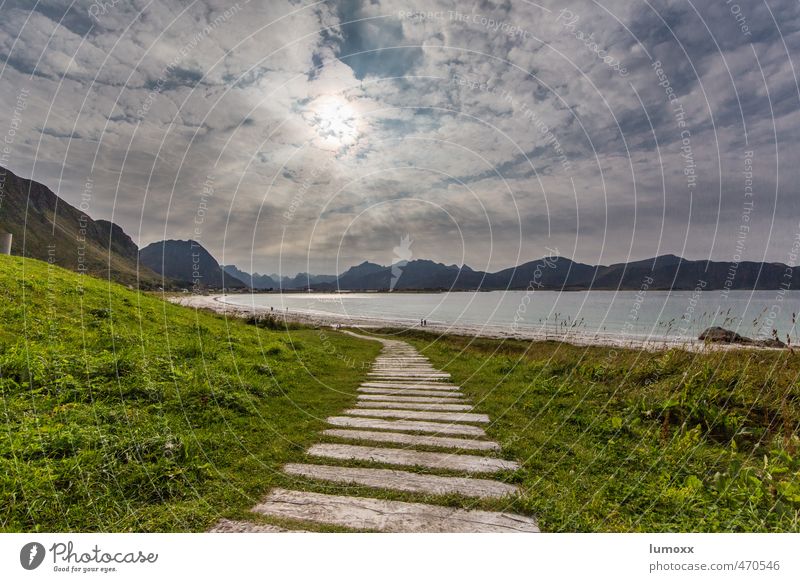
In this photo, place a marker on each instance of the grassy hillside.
(45, 227)
(625, 440)
(121, 412)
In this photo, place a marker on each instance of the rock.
(771, 343)
(722, 335)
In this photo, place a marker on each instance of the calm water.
(677, 315)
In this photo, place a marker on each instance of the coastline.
(216, 304)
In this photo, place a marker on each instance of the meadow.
(615, 439)
(123, 412)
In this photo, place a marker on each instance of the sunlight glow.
(335, 121)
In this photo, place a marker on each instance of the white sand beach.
(217, 304)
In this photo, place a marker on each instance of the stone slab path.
(414, 406)
(402, 438)
(411, 385)
(405, 403)
(445, 393)
(411, 458)
(418, 415)
(418, 399)
(404, 481)
(367, 514)
(406, 425)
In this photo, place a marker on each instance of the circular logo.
(31, 555)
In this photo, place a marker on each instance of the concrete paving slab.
(412, 439)
(412, 458)
(367, 514)
(406, 425)
(404, 481)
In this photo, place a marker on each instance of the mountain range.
(46, 227)
(553, 273)
(276, 282)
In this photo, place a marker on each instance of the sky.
(291, 136)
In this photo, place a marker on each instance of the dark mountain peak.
(546, 262)
(368, 265)
(667, 260)
(188, 262)
(429, 264)
(255, 281)
(174, 243)
(425, 263)
(364, 268)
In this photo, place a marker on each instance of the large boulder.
(722, 335)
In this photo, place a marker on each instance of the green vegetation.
(121, 412)
(47, 228)
(625, 440)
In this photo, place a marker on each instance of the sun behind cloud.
(335, 121)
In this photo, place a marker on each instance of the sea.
(643, 315)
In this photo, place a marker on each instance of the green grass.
(121, 412)
(627, 440)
